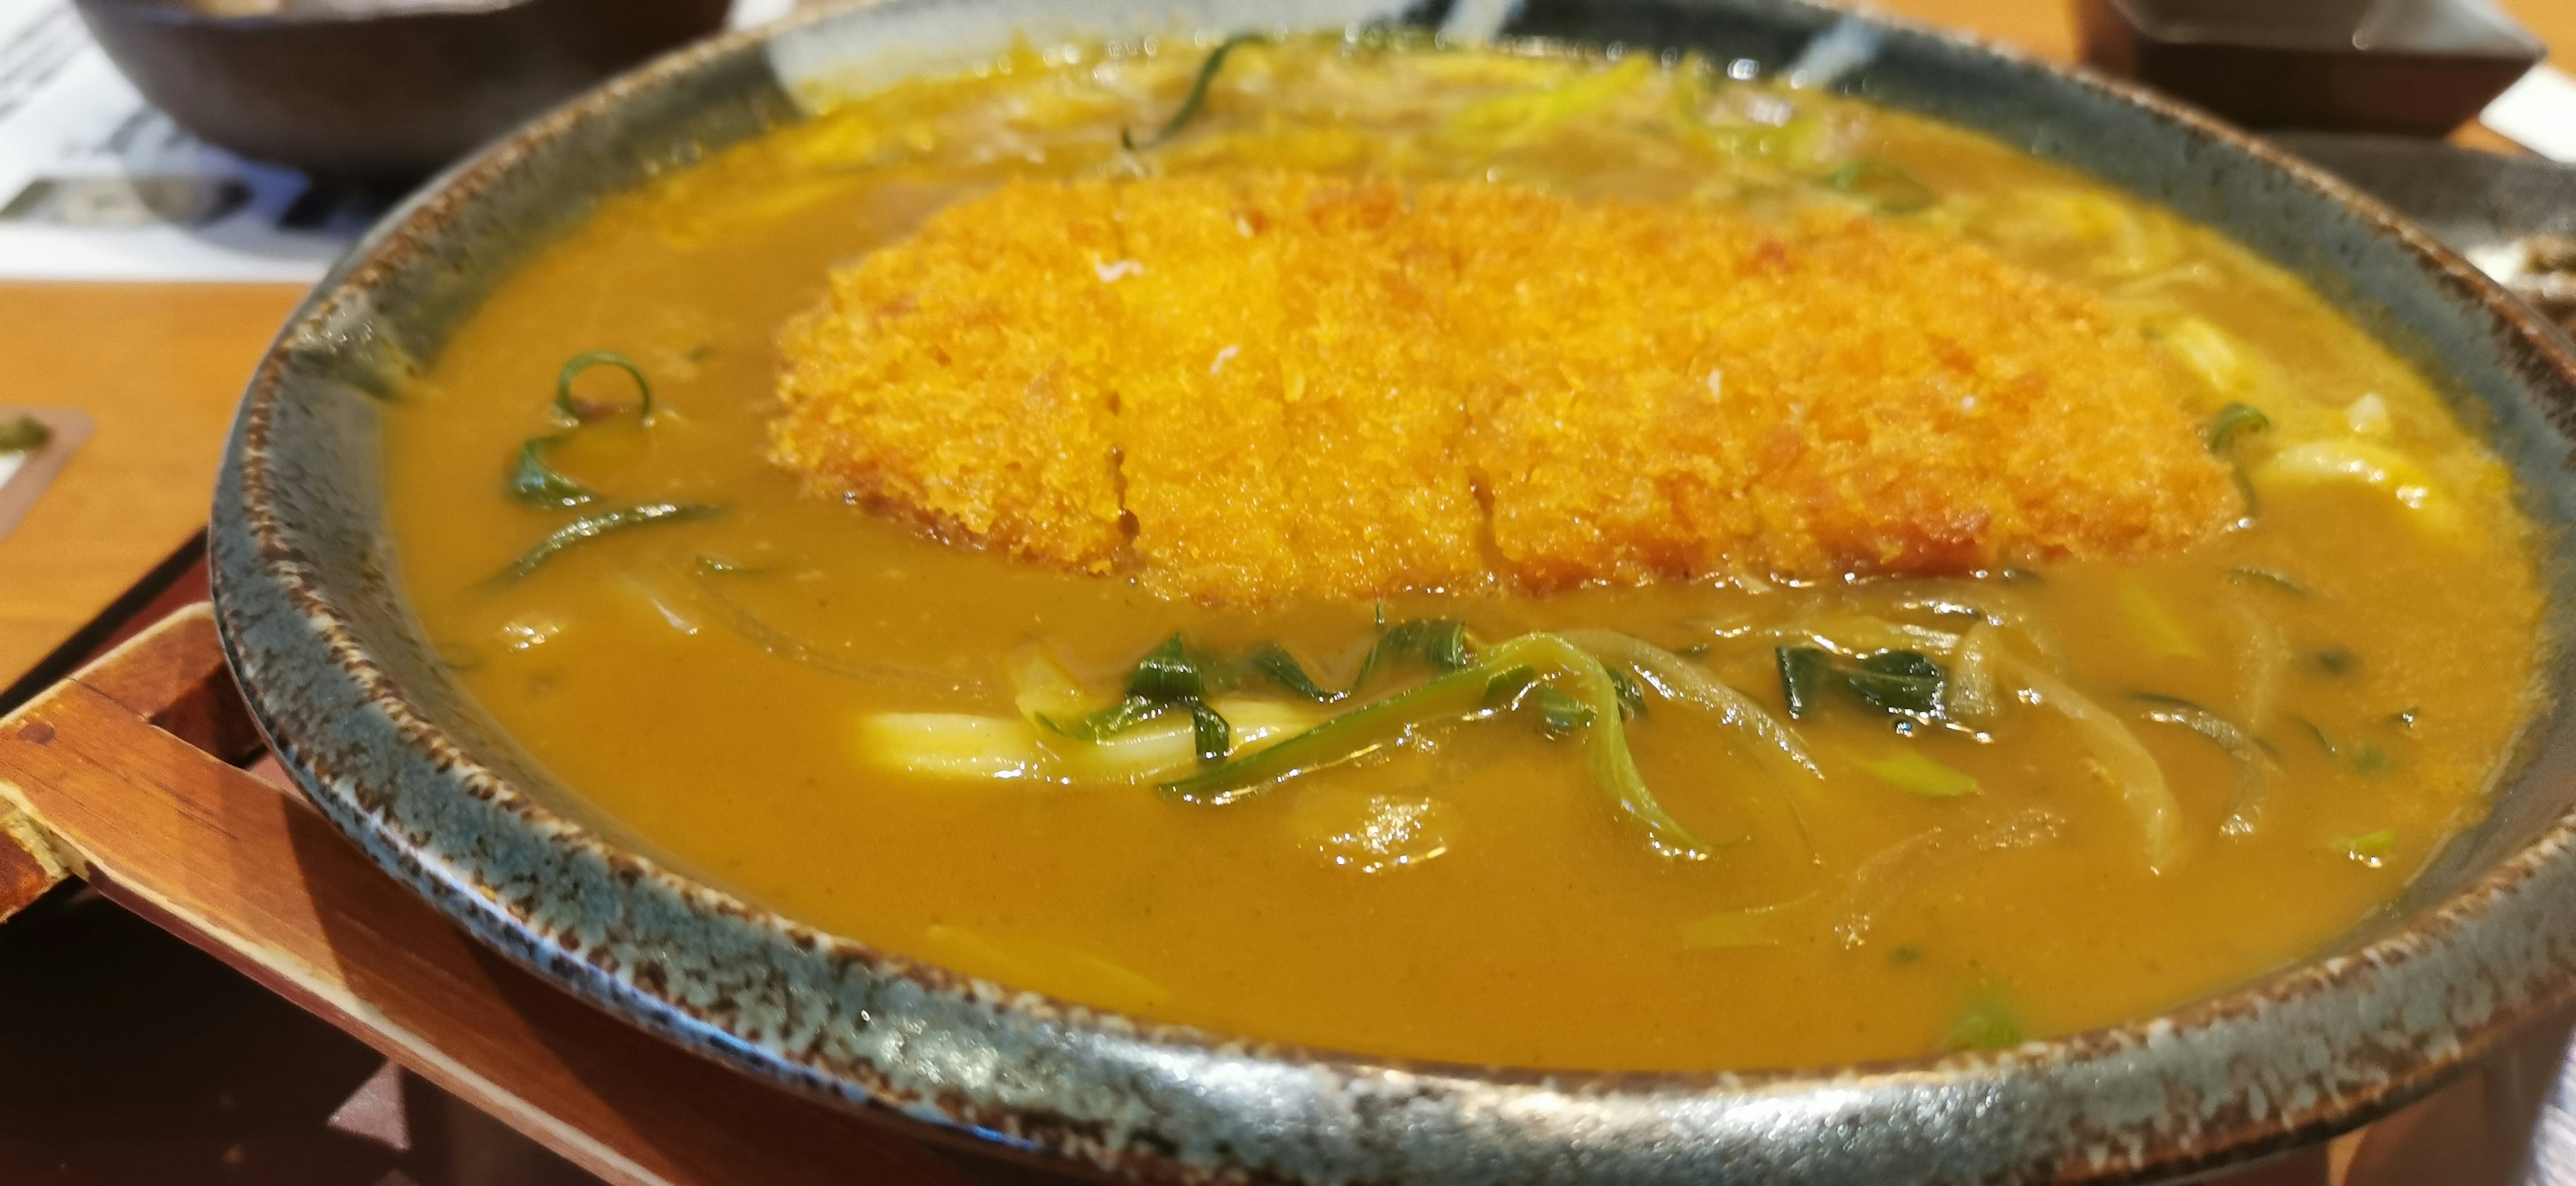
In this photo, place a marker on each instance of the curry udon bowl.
(377, 729)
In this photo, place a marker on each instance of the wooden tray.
(142, 774)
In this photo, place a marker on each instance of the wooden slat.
(262, 881)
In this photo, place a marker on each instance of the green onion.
(1272, 661)
(2245, 806)
(2247, 574)
(1168, 673)
(1986, 1025)
(1108, 722)
(2370, 848)
(1197, 98)
(2361, 758)
(1887, 185)
(573, 410)
(2231, 422)
(1803, 671)
(23, 434)
(1676, 680)
(1899, 681)
(1632, 699)
(591, 527)
(1505, 688)
(1909, 771)
(1209, 732)
(1560, 715)
(1462, 694)
(1173, 677)
(534, 482)
(1440, 643)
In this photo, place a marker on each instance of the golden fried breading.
(1245, 389)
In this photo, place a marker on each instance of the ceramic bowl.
(380, 94)
(373, 728)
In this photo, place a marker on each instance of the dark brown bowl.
(2409, 67)
(381, 98)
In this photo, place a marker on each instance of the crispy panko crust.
(1253, 388)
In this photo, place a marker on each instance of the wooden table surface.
(161, 365)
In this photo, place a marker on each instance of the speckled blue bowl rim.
(375, 731)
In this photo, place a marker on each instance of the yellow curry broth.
(720, 713)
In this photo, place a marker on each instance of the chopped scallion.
(1909, 771)
(1803, 672)
(534, 482)
(1559, 715)
(1899, 681)
(1273, 662)
(1462, 694)
(2232, 422)
(1986, 1025)
(1197, 97)
(1888, 186)
(577, 412)
(591, 527)
(2370, 848)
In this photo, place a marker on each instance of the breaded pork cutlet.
(1249, 389)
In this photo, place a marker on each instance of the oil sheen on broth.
(2047, 793)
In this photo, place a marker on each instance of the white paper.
(96, 184)
(2538, 112)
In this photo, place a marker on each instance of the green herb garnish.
(1273, 662)
(2359, 757)
(1560, 715)
(1466, 693)
(1173, 677)
(2370, 848)
(1197, 98)
(2231, 422)
(1803, 672)
(591, 527)
(1900, 681)
(580, 413)
(1439, 643)
(1909, 771)
(1986, 1025)
(1209, 731)
(1169, 672)
(534, 482)
(1888, 186)
(1632, 699)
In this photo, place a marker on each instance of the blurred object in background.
(379, 93)
(2409, 67)
(2538, 112)
(2514, 218)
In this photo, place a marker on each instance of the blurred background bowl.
(379, 93)
(2406, 67)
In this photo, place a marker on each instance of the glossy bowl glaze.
(380, 736)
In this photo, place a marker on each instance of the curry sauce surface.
(706, 682)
